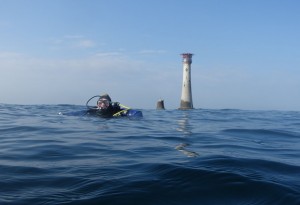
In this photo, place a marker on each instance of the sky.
(246, 53)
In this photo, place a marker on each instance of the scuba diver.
(106, 108)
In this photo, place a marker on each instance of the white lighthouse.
(186, 94)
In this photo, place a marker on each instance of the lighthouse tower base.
(184, 105)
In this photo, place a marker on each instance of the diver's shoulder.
(115, 104)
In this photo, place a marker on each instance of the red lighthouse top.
(187, 57)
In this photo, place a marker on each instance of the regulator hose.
(87, 103)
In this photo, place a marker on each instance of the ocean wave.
(198, 156)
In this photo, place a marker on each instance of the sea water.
(56, 154)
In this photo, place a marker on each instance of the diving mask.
(103, 104)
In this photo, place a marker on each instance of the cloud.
(8, 55)
(85, 43)
(71, 42)
(152, 51)
(130, 80)
(104, 54)
(73, 37)
(29, 80)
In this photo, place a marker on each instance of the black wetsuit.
(112, 109)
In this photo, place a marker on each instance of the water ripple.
(53, 154)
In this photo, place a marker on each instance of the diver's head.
(104, 102)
